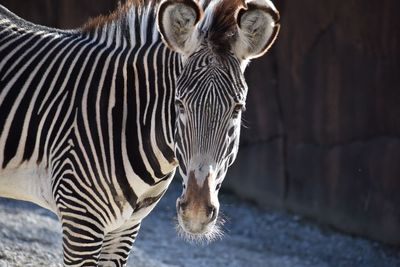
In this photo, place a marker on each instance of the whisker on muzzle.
(216, 232)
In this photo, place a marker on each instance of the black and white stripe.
(214, 87)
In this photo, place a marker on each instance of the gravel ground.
(29, 236)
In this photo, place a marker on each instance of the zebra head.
(215, 39)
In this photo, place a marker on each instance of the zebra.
(94, 121)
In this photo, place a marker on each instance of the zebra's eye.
(238, 108)
(179, 106)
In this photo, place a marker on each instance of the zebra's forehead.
(219, 23)
(208, 3)
(208, 73)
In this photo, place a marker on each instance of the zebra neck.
(144, 92)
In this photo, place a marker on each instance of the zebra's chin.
(212, 232)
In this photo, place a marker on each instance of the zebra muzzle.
(196, 210)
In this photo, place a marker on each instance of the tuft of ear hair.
(177, 21)
(258, 29)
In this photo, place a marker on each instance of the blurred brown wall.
(323, 119)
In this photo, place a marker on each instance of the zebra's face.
(210, 98)
(215, 40)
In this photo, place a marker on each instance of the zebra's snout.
(196, 219)
(208, 211)
(198, 207)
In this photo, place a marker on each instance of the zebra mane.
(220, 23)
(120, 12)
(133, 21)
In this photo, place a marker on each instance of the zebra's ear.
(258, 29)
(176, 22)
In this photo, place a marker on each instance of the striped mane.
(118, 14)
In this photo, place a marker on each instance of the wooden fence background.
(323, 136)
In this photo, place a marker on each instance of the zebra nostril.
(182, 206)
(212, 213)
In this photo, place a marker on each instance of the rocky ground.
(29, 236)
